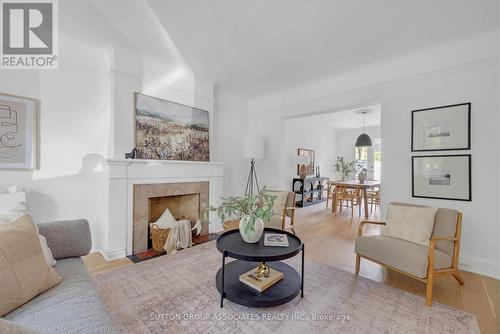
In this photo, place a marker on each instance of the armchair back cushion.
(414, 224)
(290, 203)
(445, 225)
(280, 202)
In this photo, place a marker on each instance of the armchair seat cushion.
(400, 254)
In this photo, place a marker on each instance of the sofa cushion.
(403, 255)
(410, 223)
(74, 306)
(24, 273)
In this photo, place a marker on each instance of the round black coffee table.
(230, 244)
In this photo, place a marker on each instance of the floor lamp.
(253, 148)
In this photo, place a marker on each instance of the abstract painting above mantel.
(18, 132)
(166, 130)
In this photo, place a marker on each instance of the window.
(362, 156)
(377, 161)
(370, 158)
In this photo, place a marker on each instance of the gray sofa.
(74, 306)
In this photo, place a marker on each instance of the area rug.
(177, 294)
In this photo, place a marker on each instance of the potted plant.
(344, 168)
(252, 211)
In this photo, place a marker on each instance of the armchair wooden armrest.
(444, 238)
(364, 222)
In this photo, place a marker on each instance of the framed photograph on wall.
(441, 128)
(442, 177)
(18, 132)
(310, 156)
(166, 130)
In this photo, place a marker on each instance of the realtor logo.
(29, 34)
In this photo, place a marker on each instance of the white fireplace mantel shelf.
(123, 174)
(149, 169)
(162, 162)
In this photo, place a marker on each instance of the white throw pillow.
(410, 223)
(47, 253)
(10, 200)
(166, 220)
(15, 212)
(22, 209)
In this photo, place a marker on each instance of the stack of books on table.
(276, 240)
(261, 283)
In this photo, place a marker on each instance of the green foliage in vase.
(344, 168)
(258, 206)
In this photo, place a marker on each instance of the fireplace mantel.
(123, 174)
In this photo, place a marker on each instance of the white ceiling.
(343, 120)
(255, 47)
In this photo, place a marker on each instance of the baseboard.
(114, 254)
(480, 266)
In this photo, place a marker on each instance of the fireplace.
(183, 199)
(131, 185)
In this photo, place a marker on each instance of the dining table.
(354, 184)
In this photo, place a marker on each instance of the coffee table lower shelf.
(280, 293)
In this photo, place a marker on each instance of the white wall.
(86, 113)
(476, 82)
(230, 123)
(73, 113)
(300, 135)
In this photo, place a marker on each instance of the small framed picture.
(442, 177)
(18, 132)
(310, 156)
(441, 128)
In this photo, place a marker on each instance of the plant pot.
(362, 177)
(249, 234)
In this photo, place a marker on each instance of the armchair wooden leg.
(358, 262)
(458, 277)
(428, 292)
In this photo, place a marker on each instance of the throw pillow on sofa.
(22, 209)
(24, 273)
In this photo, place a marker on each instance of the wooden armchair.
(284, 207)
(414, 260)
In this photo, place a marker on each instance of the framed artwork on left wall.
(18, 132)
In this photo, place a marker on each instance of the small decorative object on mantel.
(132, 154)
(18, 132)
(252, 211)
(317, 172)
(442, 177)
(441, 128)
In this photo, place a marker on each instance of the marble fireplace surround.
(143, 193)
(125, 174)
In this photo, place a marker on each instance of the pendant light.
(363, 140)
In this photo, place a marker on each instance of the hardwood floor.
(329, 239)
